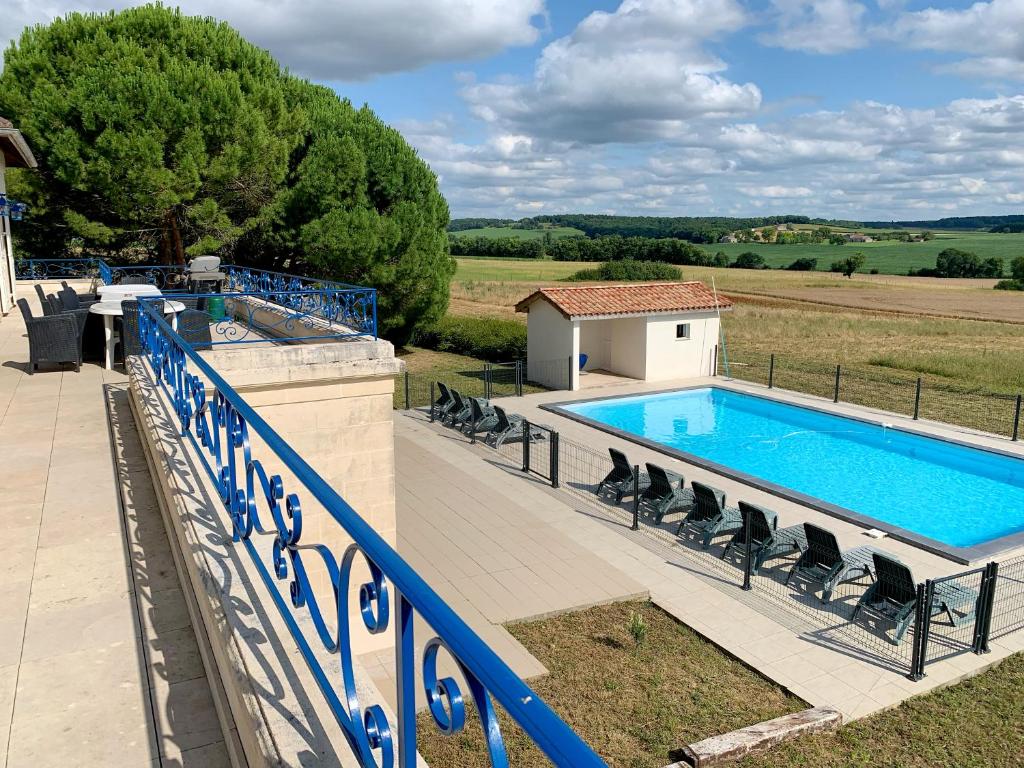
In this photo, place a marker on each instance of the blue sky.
(870, 109)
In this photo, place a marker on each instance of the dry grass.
(634, 706)
(976, 724)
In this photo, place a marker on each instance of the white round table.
(111, 309)
(125, 291)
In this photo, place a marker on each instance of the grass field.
(887, 256)
(976, 724)
(523, 234)
(882, 352)
(634, 705)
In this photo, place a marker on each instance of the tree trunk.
(177, 249)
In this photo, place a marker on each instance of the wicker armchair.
(130, 342)
(194, 327)
(44, 301)
(71, 299)
(53, 338)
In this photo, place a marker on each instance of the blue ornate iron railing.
(351, 305)
(55, 269)
(212, 319)
(341, 303)
(258, 505)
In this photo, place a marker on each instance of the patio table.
(125, 291)
(110, 309)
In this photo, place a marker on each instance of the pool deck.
(778, 643)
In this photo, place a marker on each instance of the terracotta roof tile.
(633, 299)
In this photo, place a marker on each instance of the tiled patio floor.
(97, 663)
(776, 642)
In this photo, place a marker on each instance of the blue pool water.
(957, 495)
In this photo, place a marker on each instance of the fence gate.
(540, 452)
(953, 615)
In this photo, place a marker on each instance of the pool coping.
(963, 555)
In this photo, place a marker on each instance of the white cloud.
(345, 39)
(870, 160)
(992, 31)
(817, 26)
(776, 192)
(637, 73)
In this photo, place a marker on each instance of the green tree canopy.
(160, 133)
(849, 265)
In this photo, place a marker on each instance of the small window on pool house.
(683, 331)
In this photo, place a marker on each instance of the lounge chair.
(709, 514)
(459, 410)
(481, 417)
(823, 562)
(619, 481)
(766, 540)
(444, 400)
(509, 427)
(665, 493)
(893, 597)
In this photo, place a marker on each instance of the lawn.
(976, 724)
(887, 256)
(634, 705)
(523, 234)
(464, 373)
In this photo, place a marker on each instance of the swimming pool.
(953, 498)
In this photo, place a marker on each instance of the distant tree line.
(696, 229)
(953, 262)
(612, 248)
(991, 223)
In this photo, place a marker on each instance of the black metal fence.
(413, 390)
(1007, 613)
(917, 397)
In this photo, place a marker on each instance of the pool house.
(647, 332)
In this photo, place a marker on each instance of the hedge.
(629, 269)
(486, 338)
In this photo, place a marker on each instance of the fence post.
(748, 566)
(1016, 419)
(835, 397)
(519, 378)
(917, 399)
(487, 381)
(916, 665)
(771, 371)
(636, 498)
(526, 446)
(407, 391)
(553, 458)
(432, 399)
(983, 623)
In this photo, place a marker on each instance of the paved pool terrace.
(778, 643)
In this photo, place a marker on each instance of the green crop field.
(889, 257)
(523, 234)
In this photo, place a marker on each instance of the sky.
(877, 110)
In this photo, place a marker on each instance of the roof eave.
(20, 146)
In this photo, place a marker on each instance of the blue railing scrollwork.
(257, 504)
(55, 269)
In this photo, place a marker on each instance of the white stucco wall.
(670, 358)
(552, 341)
(7, 287)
